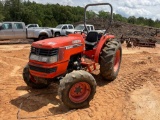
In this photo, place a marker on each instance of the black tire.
(27, 79)
(42, 37)
(57, 34)
(110, 59)
(85, 83)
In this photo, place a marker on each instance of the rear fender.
(100, 45)
(44, 34)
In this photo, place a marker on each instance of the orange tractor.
(64, 58)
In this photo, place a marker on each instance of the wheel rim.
(79, 92)
(117, 60)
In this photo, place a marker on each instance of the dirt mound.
(126, 30)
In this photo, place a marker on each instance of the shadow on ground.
(33, 100)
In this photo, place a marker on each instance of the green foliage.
(157, 23)
(90, 14)
(103, 15)
(1, 12)
(118, 17)
(132, 20)
(50, 15)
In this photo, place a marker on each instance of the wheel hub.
(79, 92)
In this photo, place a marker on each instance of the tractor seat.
(91, 40)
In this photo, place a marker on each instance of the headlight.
(47, 59)
(53, 59)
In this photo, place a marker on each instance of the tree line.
(50, 15)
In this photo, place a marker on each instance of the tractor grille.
(45, 70)
(44, 52)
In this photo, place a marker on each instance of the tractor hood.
(58, 42)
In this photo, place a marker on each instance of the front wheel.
(110, 59)
(77, 89)
(31, 81)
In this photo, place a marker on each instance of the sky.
(126, 8)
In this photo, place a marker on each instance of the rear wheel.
(77, 89)
(31, 81)
(110, 59)
(35, 39)
(42, 37)
(57, 34)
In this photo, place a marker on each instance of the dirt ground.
(134, 95)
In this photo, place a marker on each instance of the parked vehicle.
(32, 26)
(66, 58)
(18, 30)
(80, 28)
(60, 30)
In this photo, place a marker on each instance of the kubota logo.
(76, 41)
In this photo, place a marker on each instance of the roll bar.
(97, 4)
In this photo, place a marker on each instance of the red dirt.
(134, 95)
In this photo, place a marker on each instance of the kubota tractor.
(67, 58)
